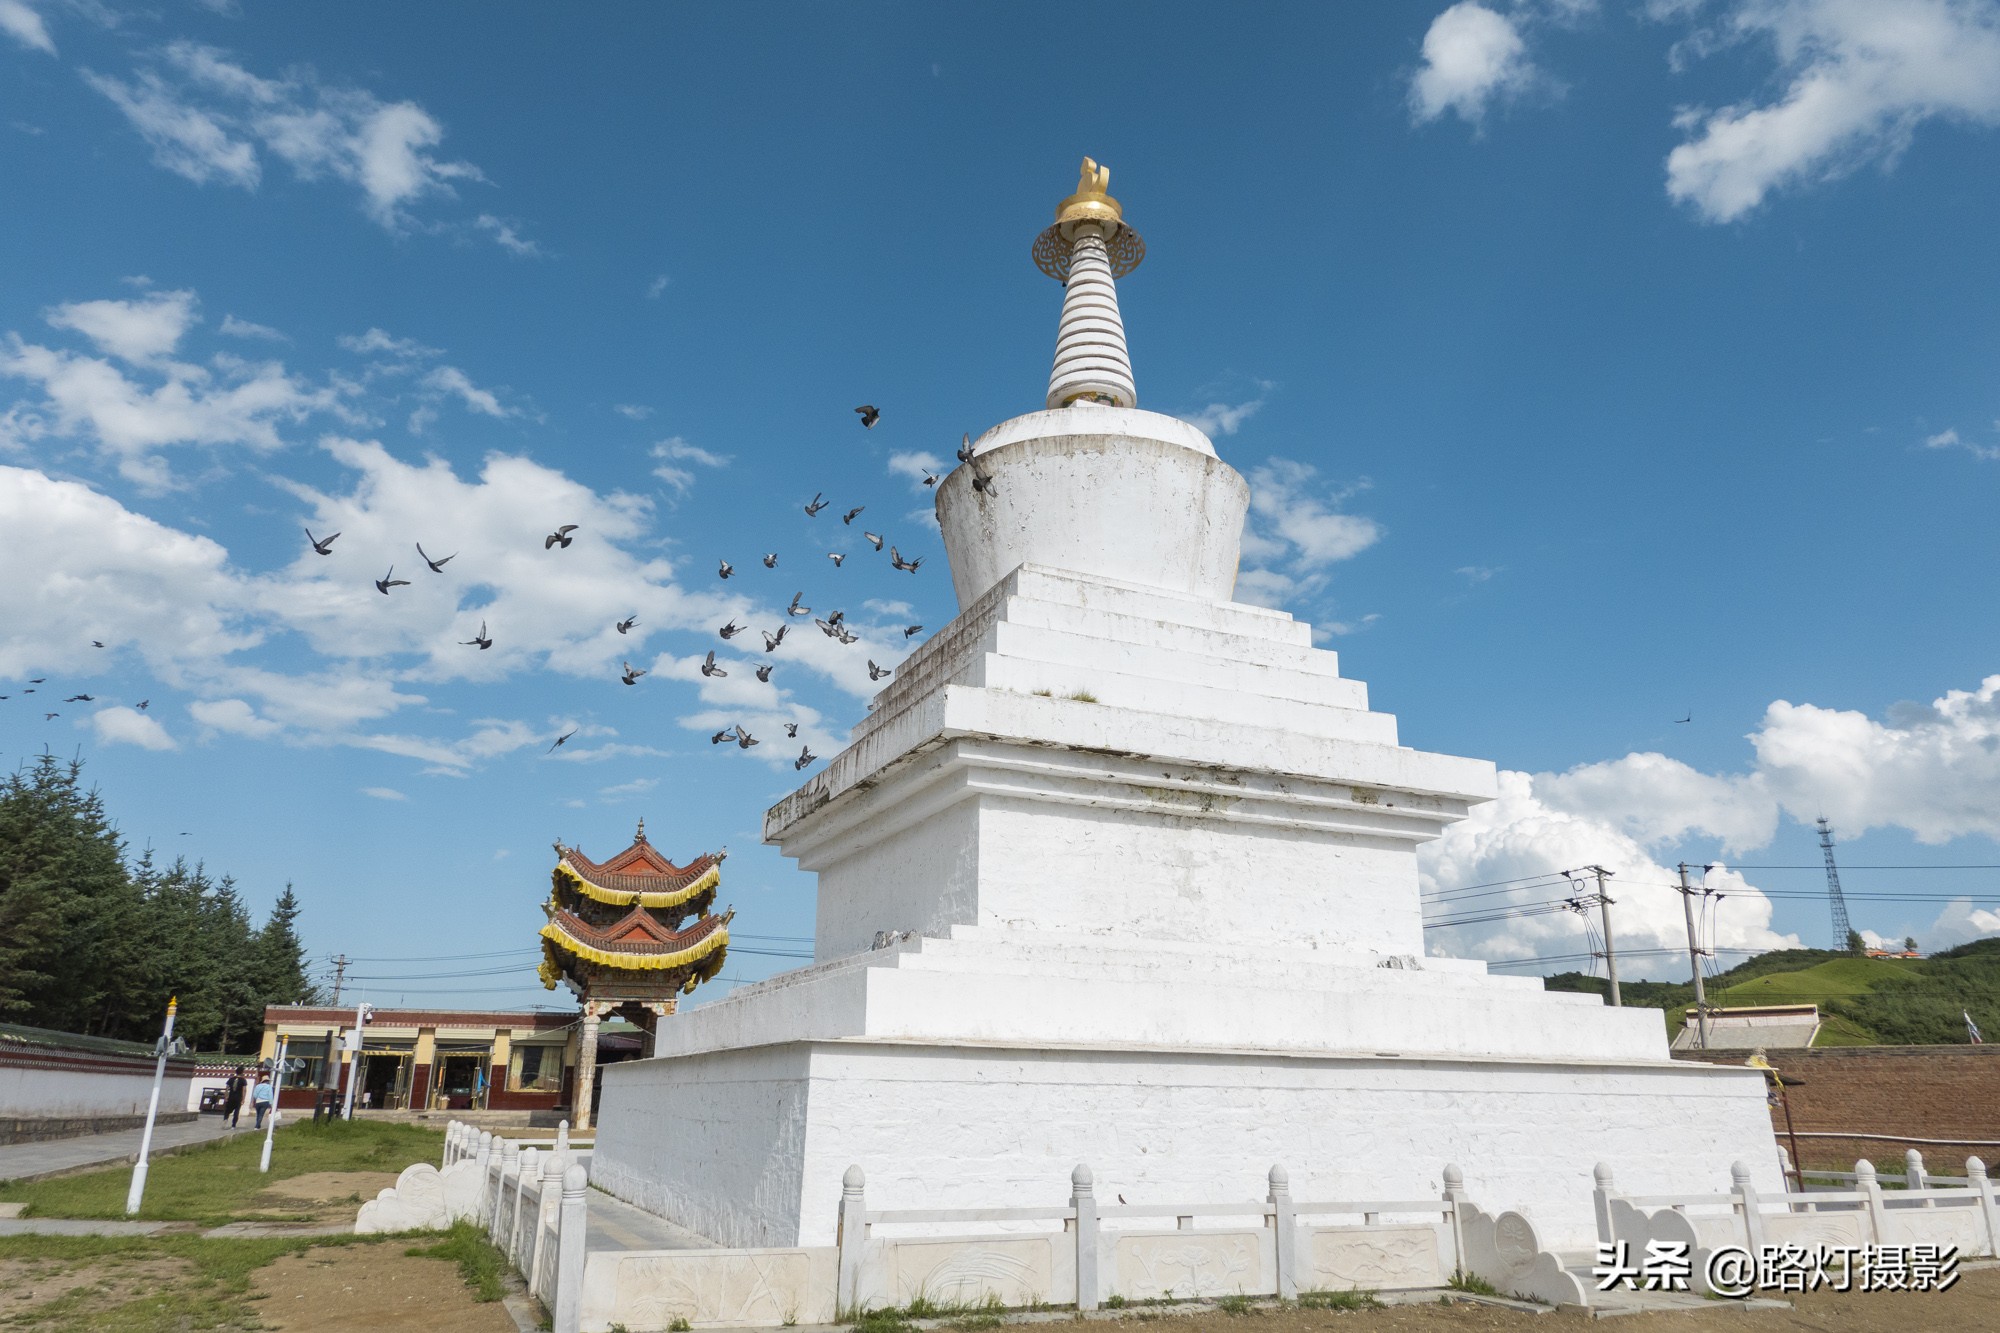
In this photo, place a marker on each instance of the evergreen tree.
(281, 956)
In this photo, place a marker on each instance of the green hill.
(1863, 1001)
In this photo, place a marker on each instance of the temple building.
(615, 937)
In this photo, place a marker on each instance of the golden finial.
(640, 836)
(1093, 205)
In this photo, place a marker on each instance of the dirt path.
(353, 1287)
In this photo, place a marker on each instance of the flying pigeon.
(632, 674)
(97, 643)
(869, 415)
(837, 617)
(930, 478)
(726, 570)
(965, 449)
(876, 673)
(771, 641)
(792, 730)
(141, 705)
(709, 668)
(719, 737)
(81, 699)
(559, 740)
(625, 626)
(771, 560)
(806, 756)
(875, 538)
(744, 740)
(388, 581)
(911, 631)
(479, 639)
(812, 510)
(828, 628)
(798, 608)
(984, 484)
(836, 557)
(731, 630)
(437, 566)
(50, 716)
(560, 537)
(764, 673)
(851, 514)
(323, 545)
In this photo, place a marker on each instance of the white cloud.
(1477, 573)
(384, 793)
(632, 411)
(1949, 439)
(377, 342)
(206, 117)
(136, 331)
(656, 287)
(636, 787)
(243, 328)
(1295, 536)
(1522, 836)
(1222, 418)
(129, 726)
(676, 450)
(1960, 923)
(1473, 57)
(234, 716)
(452, 380)
(1657, 801)
(914, 463)
(19, 20)
(506, 237)
(1859, 77)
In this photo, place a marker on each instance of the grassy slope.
(1862, 1000)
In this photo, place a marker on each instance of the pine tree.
(281, 956)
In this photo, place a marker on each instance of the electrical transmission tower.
(1841, 929)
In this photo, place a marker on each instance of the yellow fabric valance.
(707, 880)
(562, 939)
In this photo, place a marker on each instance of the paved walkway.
(613, 1224)
(27, 1161)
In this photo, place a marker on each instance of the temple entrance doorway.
(461, 1080)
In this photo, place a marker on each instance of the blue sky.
(1595, 365)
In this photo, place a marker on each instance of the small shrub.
(1114, 1302)
(1234, 1305)
(1472, 1283)
(1338, 1300)
(680, 1325)
(1084, 697)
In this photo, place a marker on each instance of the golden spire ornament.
(1087, 247)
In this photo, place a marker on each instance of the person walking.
(262, 1097)
(232, 1099)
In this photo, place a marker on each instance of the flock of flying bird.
(833, 625)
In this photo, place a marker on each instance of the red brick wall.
(1905, 1092)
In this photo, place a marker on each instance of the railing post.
(1600, 1202)
(562, 1137)
(1914, 1176)
(851, 1237)
(1871, 1193)
(568, 1303)
(1975, 1176)
(1083, 1198)
(1454, 1193)
(450, 1142)
(1285, 1248)
(530, 1170)
(510, 1160)
(551, 1194)
(483, 1158)
(1746, 1199)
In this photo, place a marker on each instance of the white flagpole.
(138, 1190)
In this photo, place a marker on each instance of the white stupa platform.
(1120, 871)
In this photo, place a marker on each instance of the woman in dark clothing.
(232, 1101)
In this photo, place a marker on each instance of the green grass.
(1234, 1305)
(479, 1261)
(211, 1292)
(217, 1182)
(1338, 1300)
(1473, 1284)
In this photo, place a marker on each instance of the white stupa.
(1121, 871)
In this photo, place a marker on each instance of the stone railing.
(1080, 1253)
(1925, 1212)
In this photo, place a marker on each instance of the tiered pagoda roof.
(615, 927)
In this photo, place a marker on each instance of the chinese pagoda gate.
(615, 937)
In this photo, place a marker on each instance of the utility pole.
(1610, 953)
(362, 1013)
(339, 976)
(1694, 963)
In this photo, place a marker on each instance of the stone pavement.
(613, 1224)
(28, 1161)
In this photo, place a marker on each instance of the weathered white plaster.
(33, 1086)
(1372, 1259)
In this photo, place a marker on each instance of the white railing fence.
(1962, 1212)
